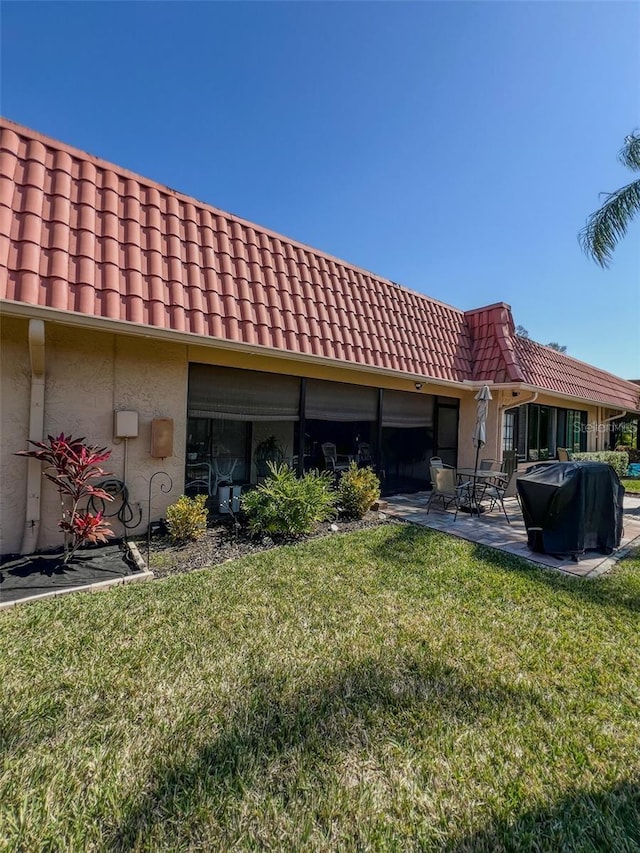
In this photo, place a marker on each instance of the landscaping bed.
(46, 573)
(223, 541)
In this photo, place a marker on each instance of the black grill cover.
(571, 507)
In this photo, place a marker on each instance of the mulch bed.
(37, 574)
(222, 543)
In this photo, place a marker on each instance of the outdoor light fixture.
(161, 438)
(418, 386)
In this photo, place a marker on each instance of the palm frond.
(629, 154)
(609, 224)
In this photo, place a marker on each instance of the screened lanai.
(239, 420)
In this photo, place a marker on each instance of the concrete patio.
(492, 529)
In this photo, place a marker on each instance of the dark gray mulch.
(221, 543)
(23, 577)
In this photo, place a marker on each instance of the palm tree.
(609, 224)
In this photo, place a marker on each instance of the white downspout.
(517, 405)
(36, 433)
(614, 417)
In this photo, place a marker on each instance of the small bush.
(618, 461)
(187, 518)
(359, 489)
(634, 452)
(286, 506)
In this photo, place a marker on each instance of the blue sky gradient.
(456, 148)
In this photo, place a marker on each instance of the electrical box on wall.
(161, 437)
(125, 424)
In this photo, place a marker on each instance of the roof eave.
(525, 386)
(126, 327)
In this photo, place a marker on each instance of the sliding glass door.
(538, 431)
(239, 420)
(407, 440)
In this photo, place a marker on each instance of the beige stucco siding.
(89, 374)
(252, 360)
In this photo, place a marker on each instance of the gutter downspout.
(614, 417)
(36, 433)
(517, 405)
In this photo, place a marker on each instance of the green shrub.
(634, 452)
(286, 506)
(358, 490)
(618, 461)
(187, 518)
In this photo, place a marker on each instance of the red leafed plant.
(71, 465)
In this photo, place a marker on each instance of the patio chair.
(509, 462)
(199, 475)
(364, 454)
(332, 460)
(498, 493)
(489, 465)
(447, 490)
(563, 454)
(223, 473)
(436, 462)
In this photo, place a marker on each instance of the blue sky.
(455, 148)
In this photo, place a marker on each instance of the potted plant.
(268, 450)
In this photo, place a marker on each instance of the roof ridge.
(504, 335)
(150, 182)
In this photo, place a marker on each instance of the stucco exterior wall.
(15, 389)
(89, 374)
(493, 447)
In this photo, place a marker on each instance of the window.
(575, 432)
(508, 430)
(541, 432)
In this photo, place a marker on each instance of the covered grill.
(572, 507)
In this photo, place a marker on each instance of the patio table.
(478, 476)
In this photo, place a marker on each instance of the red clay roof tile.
(111, 232)
(79, 234)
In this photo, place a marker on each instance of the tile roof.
(493, 333)
(502, 356)
(543, 367)
(79, 234)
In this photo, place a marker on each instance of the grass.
(631, 484)
(393, 689)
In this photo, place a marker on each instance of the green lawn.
(393, 689)
(631, 485)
